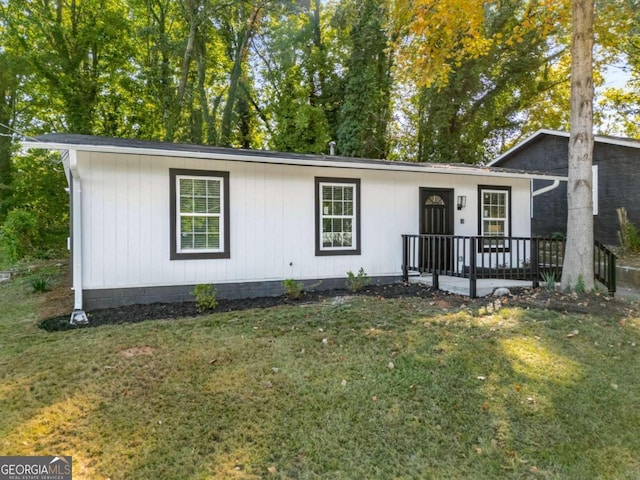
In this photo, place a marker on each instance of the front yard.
(350, 387)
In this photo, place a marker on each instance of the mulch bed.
(594, 303)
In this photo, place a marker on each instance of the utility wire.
(23, 135)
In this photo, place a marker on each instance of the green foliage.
(481, 99)
(205, 297)
(39, 283)
(292, 288)
(357, 282)
(580, 285)
(633, 238)
(549, 279)
(366, 107)
(628, 235)
(297, 91)
(38, 210)
(20, 234)
(558, 236)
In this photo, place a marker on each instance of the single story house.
(616, 181)
(150, 220)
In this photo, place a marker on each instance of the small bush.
(628, 235)
(19, 234)
(357, 282)
(39, 284)
(292, 289)
(549, 279)
(205, 296)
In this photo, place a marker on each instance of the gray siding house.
(616, 169)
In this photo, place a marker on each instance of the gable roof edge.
(622, 142)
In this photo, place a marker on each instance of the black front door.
(436, 218)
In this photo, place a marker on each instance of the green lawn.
(364, 388)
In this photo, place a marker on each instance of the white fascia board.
(306, 162)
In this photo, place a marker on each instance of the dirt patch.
(136, 351)
(59, 300)
(595, 303)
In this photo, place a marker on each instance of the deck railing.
(479, 257)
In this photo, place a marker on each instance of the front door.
(436, 218)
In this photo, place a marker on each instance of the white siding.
(126, 220)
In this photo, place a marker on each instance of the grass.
(366, 388)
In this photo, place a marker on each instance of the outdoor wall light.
(462, 202)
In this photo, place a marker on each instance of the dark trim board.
(118, 297)
(357, 249)
(173, 253)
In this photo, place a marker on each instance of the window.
(199, 214)
(435, 200)
(337, 216)
(495, 212)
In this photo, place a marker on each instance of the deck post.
(435, 280)
(612, 274)
(535, 263)
(405, 258)
(472, 267)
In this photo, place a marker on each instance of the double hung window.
(199, 214)
(337, 216)
(494, 215)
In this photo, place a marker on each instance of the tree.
(290, 74)
(578, 268)
(72, 47)
(9, 84)
(366, 107)
(486, 63)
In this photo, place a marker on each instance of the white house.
(150, 220)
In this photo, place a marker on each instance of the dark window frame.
(509, 218)
(356, 249)
(173, 214)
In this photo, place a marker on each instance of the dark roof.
(89, 142)
(620, 141)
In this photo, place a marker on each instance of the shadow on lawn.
(596, 303)
(435, 386)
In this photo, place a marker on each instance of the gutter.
(78, 316)
(303, 161)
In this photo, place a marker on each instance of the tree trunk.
(193, 19)
(578, 260)
(243, 39)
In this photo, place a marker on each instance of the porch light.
(462, 202)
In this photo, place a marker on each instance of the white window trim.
(352, 217)
(176, 250)
(180, 215)
(506, 211)
(355, 217)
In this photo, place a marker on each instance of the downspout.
(540, 191)
(78, 316)
(546, 189)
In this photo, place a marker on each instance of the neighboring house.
(616, 181)
(150, 220)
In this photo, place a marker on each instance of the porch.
(490, 262)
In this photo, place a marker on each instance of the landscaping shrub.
(39, 284)
(628, 234)
(292, 289)
(357, 282)
(205, 296)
